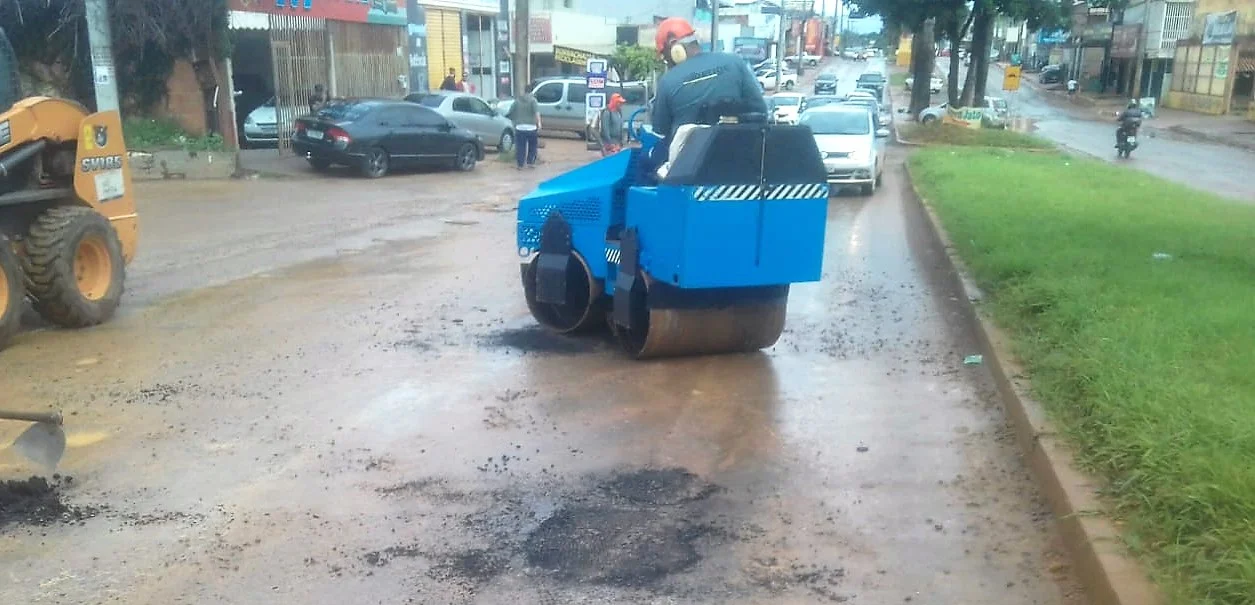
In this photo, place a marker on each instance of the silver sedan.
(472, 113)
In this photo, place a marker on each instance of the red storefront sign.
(388, 12)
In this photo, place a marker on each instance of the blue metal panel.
(586, 198)
(731, 238)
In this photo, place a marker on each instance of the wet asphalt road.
(1219, 169)
(330, 391)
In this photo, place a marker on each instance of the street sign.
(1011, 78)
(595, 74)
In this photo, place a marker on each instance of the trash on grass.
(1161, 256)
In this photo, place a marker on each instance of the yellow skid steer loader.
(68, 225)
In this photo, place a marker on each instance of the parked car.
(807, 59)
(847, 140)
(472, 113)
(934, 84)
(860, 93)
(561, 102)
(785, 107)
(873, 107)
(376, 135)
(768, 81)
(826, 84)
(260, 126)
(1051, 74)
(995, 113)
(820, 101)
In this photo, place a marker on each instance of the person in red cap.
(698, 85)
(611, 125)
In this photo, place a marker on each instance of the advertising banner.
(970, 117)
(382, 12)
(1220, 28)
(750, 49)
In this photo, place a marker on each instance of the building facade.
(1214, 67)
(1156, 27)
(281, 51)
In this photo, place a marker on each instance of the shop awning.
(247, 20)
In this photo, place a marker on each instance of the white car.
(260, 127)
(786, 106)
(847, 138)
(934, 84)
(807, 59)
(768, 80)
(472, 113)
(995, 113)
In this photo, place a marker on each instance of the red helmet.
(670, 32)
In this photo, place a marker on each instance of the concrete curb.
(1110, 575)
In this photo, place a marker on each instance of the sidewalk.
(1230, 130)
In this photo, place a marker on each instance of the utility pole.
(714, 26)
(523, 49)
(100, 40)
(780, 46)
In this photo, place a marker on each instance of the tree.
(635, 62)
(148, 37)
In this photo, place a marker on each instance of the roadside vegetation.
(159, 134)
(1129, 299)
(949, 134)
(897, 79)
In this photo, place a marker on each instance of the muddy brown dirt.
(330, 391)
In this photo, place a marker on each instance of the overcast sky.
(862, 26)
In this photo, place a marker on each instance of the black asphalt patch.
(659, 487)
(632, 530)
(604, 545)
(38, 501)
(537, 339)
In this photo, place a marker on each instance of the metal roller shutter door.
(444, 44)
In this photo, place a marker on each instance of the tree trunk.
(922, 51)
(980, 61)
(982, 26)
(954, 34)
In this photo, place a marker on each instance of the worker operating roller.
(698, 87)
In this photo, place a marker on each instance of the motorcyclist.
(1130, 119)
(696, 83)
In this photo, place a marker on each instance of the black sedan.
(826, 84)
(377, 135)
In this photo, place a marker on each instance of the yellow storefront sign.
(971, 117)
(1011, 78)
(571, 56)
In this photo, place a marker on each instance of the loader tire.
(74, 267)
(12, 292)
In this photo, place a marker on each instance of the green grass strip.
(1131, 300)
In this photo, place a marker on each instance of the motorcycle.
(1126, 137)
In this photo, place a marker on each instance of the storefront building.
(1214, 69)
(461, 35)
(281, 51)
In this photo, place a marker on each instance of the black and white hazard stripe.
(736, 193)
(612, 255)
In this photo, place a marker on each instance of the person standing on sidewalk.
(611, 125)
(525, 114)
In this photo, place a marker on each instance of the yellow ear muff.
(678, 53)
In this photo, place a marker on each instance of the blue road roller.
(692, 259)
